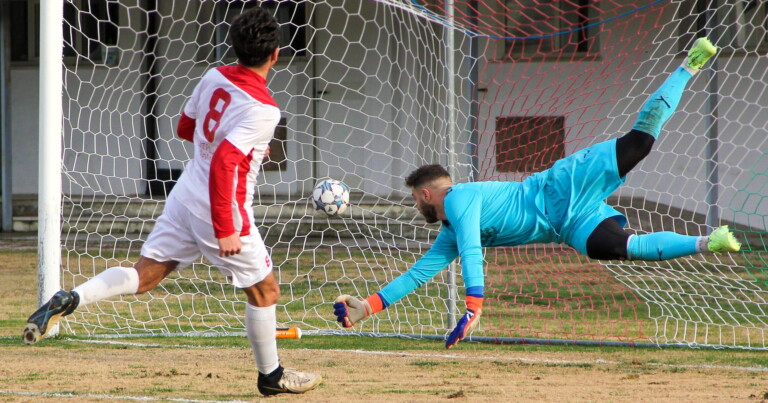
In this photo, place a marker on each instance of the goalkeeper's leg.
(636, 145)
(610, 241)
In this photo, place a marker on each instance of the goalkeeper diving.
(564, 204)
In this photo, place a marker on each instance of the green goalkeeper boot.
(61, 304)
(722, 240)
(701, 51)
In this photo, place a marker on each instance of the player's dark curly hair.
(254, 35)
(426, 174)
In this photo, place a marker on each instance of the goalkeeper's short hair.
(426, 174)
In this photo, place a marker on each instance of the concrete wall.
(24, 129)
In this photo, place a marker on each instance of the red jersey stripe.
(248, 81)
(186, 128)
(241, 191)
(221, 185)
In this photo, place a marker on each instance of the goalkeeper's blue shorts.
(575, 189)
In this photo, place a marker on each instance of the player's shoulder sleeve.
(257, 113)
(463, 205)
(190, 108)
(255, 129)
(463, 208)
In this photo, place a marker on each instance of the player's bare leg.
(151, 273)
(260, 319)
(112, 282)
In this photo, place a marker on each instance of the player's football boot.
(722, 240)
(61, 304)
(701, 51)
(284, 380)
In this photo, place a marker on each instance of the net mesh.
(496, 90)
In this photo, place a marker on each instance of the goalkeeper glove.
(350, 310)
(467, 323)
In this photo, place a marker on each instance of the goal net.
(369, 91)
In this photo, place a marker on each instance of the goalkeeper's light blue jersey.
(478, 214)
(562, 204)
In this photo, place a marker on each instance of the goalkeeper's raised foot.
(701, 51)
(61, 304)
(722, 240)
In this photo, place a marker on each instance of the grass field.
(71, 368)
(544, 292)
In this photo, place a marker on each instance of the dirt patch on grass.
(103, 372)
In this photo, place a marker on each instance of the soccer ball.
(331, 196)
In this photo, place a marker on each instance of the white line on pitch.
(113, 397)
(446, 356)
(132, 344)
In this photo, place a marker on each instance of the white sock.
(688, 69)
(702, 244)
(629, 256)
(109, 283)
(260, 323)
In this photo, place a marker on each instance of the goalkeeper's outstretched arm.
(350, 310)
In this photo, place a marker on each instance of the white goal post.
(50, 117)
(370, 90)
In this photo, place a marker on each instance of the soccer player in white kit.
(230, 118)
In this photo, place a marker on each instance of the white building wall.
(378, 99)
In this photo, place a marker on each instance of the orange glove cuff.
(474, 303)
(376, 303)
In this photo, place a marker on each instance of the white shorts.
(181, 236)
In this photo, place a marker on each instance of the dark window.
(736, 25)
(550, 29)
(20, 31)
(90, 28)
(529, 143)
(276, 160)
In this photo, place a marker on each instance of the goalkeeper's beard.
(429, 212)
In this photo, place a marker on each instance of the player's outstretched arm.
(463, 210)
(350, 310)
